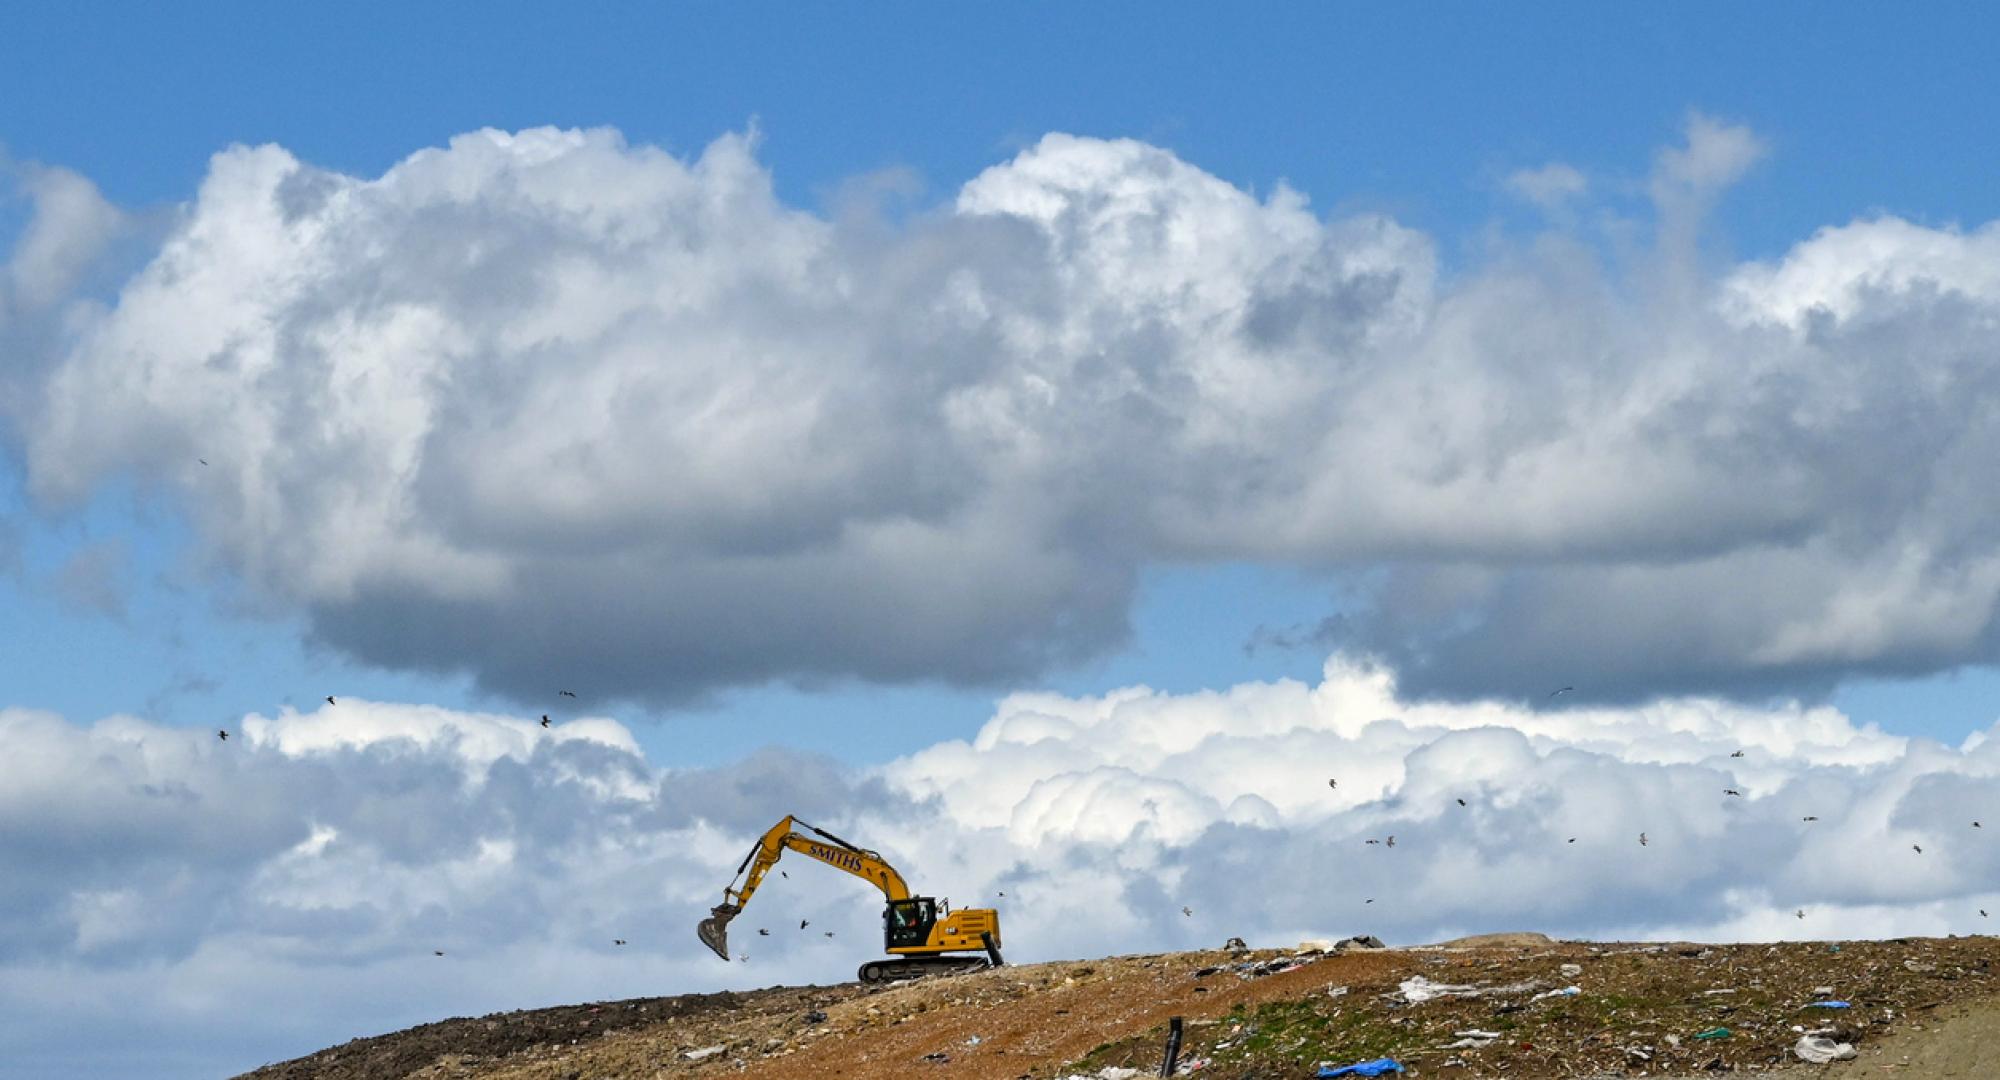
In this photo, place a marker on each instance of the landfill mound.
(1526, 1009)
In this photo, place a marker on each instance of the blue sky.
(814, 388)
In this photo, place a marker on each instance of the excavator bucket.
(714, 930)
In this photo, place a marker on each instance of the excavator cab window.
(910, 922)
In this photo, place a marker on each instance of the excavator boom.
(833, 851)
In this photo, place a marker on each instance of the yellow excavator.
(920, 934)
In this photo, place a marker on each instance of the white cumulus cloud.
(547, 401)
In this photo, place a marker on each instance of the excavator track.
(895, 968)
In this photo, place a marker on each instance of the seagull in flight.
(1392, 840)
(567, 693)
(1738, 753)
(1809, 817)
(1461, 802)
(1572, 839)
(1642, 839)
(1975, 825)
(329, 699)
(1564, 690)
(1732, 791)
(1918, 848)
(828, 933)
(545, 719)
(1801, 913)
(802, 924)
(1332, 783)
(618, 941)
(222, 734)
(1373, 841)
(437, 952)
(1188, 912)
(761, 932)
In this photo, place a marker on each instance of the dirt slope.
(1924, 1007)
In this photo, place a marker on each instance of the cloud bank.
(287, 889)
(547, 406)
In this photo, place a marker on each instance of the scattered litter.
(1378, 1067)
(1567, 991)
(1828, 1005)
(1418, 989)
(1571, 971)
(1822, 991)
(704, 1052)
(1471, 1039)
(1236, 944)
(1712, 993)
(815, 1017)
(939, 1058)
(1714, 1033)
(1819, 1050)
(1312, 946)
(1336, 991)
(974, 1041)
(1359, 941)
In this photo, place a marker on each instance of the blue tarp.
(1378, 1067)
(1828, 1005)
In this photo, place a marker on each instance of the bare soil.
(1920, 1007)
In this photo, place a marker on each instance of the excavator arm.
(829, 849)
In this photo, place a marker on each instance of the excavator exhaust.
(714, 930)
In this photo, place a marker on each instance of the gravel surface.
(1924, 1007)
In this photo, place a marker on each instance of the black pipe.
(1173, 1059)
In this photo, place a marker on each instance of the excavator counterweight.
(921, 935)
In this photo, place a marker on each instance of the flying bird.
(1801, 913)
(1332, 783)
(784, 875)
(1461, 802)
(437, 952)
(742, 958)
(1564, 690)
(329, 699)
(1918, 848)
(1975, 825)
(761, 932)
(1373, 841)
(204, 461)
(1572, 839)
(1003, 892)
(1392, 840)
(618, 941)
(1738, 753)
(1732, 791)
(1642, 839)
(1808, 817)
(828, 933)
(567, 693)
(802, 924)
(1370, 900)
(1187, 911)
(1982, 913)
(545, 719)
(222, 734)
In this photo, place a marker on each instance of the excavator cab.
(908, 923)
